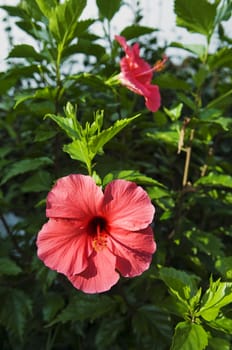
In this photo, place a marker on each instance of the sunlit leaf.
(180, 283)
(224, 266)
(217, 295)
(189, 335)
(215, 180)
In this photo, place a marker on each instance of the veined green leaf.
(15, 309)
(24, 166)
(69, 125)
(181, 284)
(222, 324)
(131, 175)
(217, 295)
(215, 180)
(98, 141)
(86, 307)
(78, 150)
(196, 15)
(9, 267)
(188, 336)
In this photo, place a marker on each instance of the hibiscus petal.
(75, 197)
(100, 274)
(63, 246)
(122, 41)
(153, 99)
(133, 250)
(127, 205)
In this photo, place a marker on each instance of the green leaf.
(86, 307)
(25, 51)
(180, 283)
(46, 6)
(189, 336)
(25, 165)
(222, 58)
(217, 295)
(108, 8)
(197, 49)
(200, 76)
(213, 116)
(108, 331)
(222, 100)
(69, 124)
(224, 11)
(215, 180)
(46, 93)
(222, 324)
(15, 309)
(169, 81)
(174, 113)
(52, 304)
(224, 266)
(196, 15)
(135, 30)
(150, 319)
(206, 242)
(97, 142)
(79, 150)
(63, 21)
(131, 175)
(9, 267)
(219, 343)
(40, 181)
(170, 137)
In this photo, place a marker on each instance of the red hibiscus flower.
(136, 74)
(91, 236)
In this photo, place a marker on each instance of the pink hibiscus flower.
(91, 236)
(136, 74)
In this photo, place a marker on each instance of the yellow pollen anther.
(160, 64)
(100, 242)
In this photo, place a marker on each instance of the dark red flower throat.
(97, 228)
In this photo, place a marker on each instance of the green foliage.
(189, 336)
(181, 155)
(15, 309)
(108, 8)
(9, 267)
(90, 139)
(192, 15)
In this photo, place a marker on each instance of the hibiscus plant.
(116, 179)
